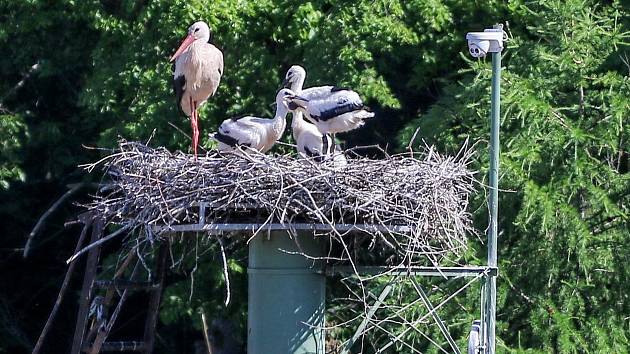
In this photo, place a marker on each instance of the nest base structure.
(412, 207)
(287, 291)
(212, 228)
(302, 221)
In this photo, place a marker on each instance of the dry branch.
(426, 191)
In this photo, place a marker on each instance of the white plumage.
(198, 70)
(311, 143)
(473, 338)
(296, 75)
(338, 110)
(254, 132)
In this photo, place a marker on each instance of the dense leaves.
(564, 142)
(81, 73)
(11, 127)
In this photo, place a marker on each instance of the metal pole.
(491, 280)
(287, 291)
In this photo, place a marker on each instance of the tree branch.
(62, 291)
(45, 216)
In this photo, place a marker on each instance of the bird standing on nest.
(335, 110)
(253, 132)
(198, 70)
(310, 141)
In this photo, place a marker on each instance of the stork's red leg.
(192, 121)
(193, 125)
(196, 128)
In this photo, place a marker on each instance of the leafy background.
(83, 73)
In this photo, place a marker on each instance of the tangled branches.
(414, 204)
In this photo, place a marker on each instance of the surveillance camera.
(488, 41)
(478, 48)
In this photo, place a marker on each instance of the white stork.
(334, 111)
(309, 140)
(198, 70)
(295, 78)
(311, 143)
(254, 132)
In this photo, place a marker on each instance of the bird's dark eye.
(196, 29)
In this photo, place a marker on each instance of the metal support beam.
(153, 308)
(436, 317)
(444, 272)
(253, 227)
(121, 284)
(491, 281)
(372, 310)
(86, 293)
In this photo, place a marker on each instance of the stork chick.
(338, 110)
(253, 132)
(310, 142)
(294, 79)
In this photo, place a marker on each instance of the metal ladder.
(95, 320)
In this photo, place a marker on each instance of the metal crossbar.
(252, 227)
(366, 320)
(445, 272)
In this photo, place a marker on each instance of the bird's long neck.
(279, 120)
(194, 51)
(297, 85)
(297, 122)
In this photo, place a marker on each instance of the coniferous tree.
(564, 215)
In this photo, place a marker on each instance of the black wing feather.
(339, 110)
(179, 85)
(314, 155)
(226, 139)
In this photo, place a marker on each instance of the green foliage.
(564, 144)
(183, 304)
(377, 47)
(11, 131)
(82, 73)
(201, 288)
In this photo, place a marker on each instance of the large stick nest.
(425, 191)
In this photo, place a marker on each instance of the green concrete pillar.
(286, 295)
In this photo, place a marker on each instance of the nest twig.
(427, 192)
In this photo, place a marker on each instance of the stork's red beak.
(182, 47)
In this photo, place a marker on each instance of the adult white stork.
(334, 111)
(311, 143)
(254, 132)
(198, 70)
